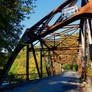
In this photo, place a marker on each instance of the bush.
(89, 67)
(73, 67)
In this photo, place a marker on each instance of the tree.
(12, 12)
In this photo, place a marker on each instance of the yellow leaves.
(19, 65)
(21, 70)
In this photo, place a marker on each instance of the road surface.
(66, 82)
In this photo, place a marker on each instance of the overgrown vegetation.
(12, 12)
(19, 66)
(73, 67)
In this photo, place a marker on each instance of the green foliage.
(88, 68)
(3, 59)
(12, 13)
(73, 67)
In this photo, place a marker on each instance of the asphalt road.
(66, 82)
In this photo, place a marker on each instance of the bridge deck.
(66, 82)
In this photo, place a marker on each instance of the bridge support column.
(89, 44)
(35, 60)
(86, 39)
(79, 62)
(27, 63)
(51, 63)
(84, 51)
(41, 64)
(54, 72)
(43, 55)
(87, 48)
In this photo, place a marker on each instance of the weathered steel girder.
(58, 49)
(41, 29)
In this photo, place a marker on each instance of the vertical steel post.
(83, 54)
(46, 65)
(86, 50)
(83, 41)
(27, 63)
(48, 56)
(41, 61)
(35, 60)
(89, 41)
(44, 58)
(51, 62)
(80, 53)
(54, 72)
(54, 40)
(80, 61)
(82, 37)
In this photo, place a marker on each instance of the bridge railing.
(14, 78)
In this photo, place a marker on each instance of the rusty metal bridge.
(55, 39)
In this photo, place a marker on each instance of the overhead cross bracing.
(68, 35)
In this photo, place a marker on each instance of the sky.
(43, 7)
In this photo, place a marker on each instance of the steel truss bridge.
(55, 39)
